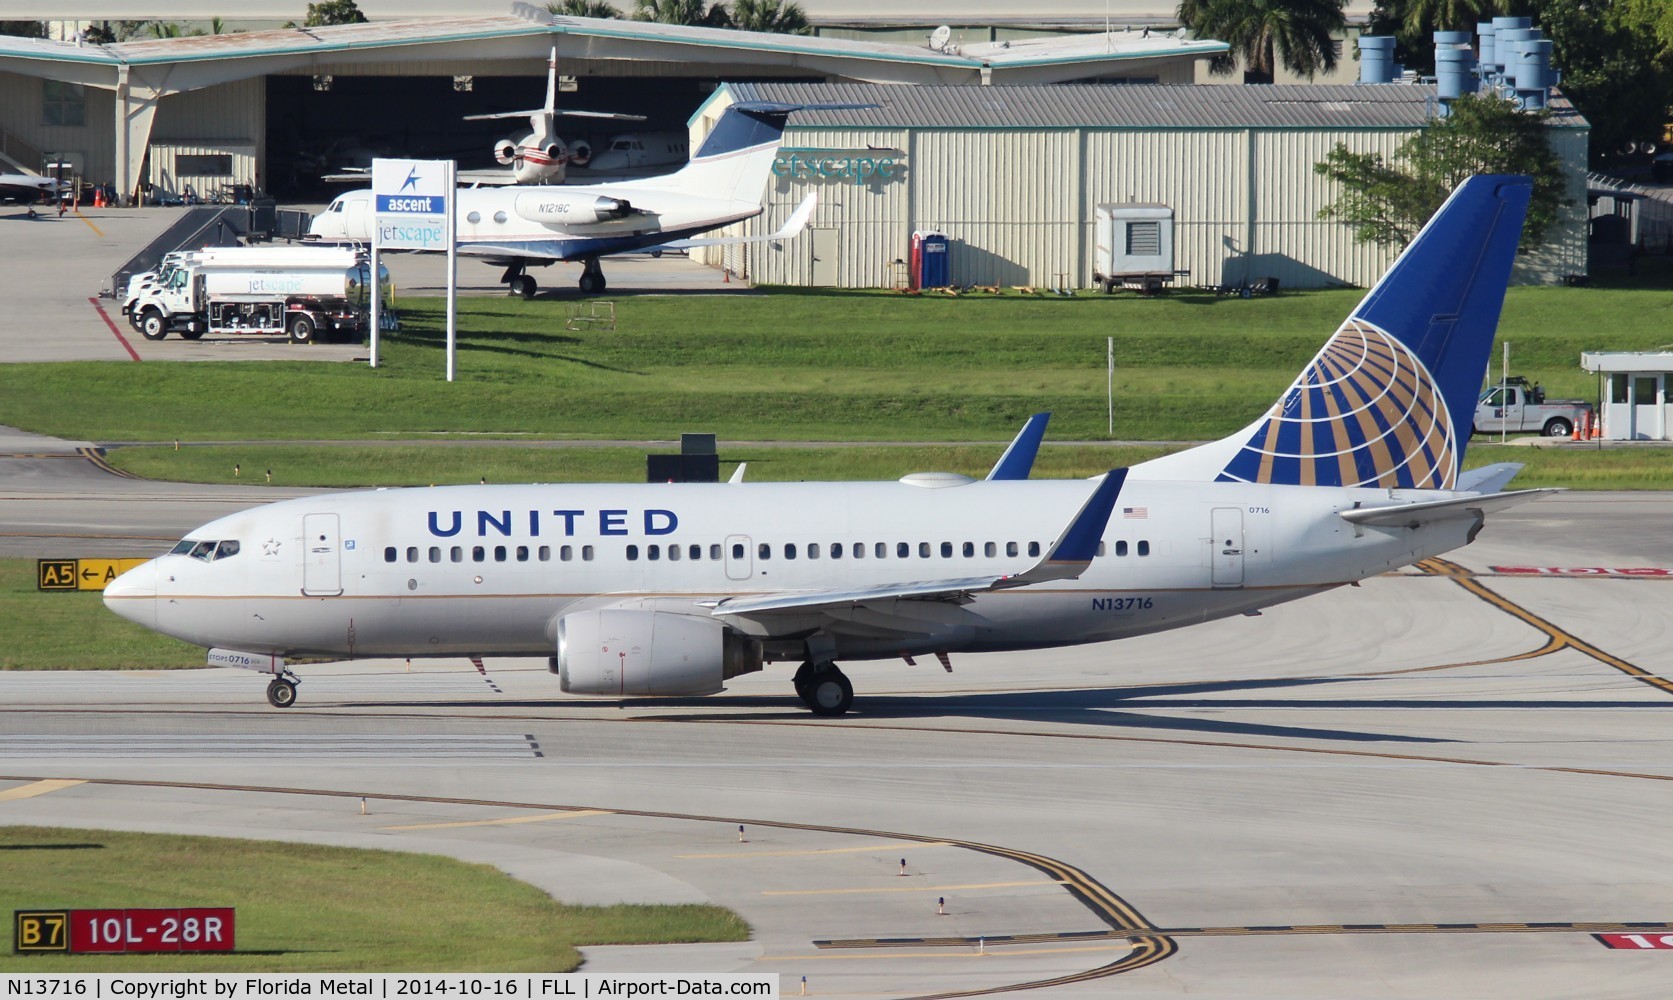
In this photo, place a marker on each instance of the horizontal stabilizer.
(1416, 515)
(1489, 478)
(1018, 460)
(792, 227)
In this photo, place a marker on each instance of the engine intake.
(505, 151)
(621, 652)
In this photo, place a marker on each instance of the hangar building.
(216, 111)
(1014, 177)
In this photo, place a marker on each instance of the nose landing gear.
(281, 691)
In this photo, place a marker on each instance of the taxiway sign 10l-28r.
(671, 589)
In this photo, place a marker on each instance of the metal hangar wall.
(1014, 176)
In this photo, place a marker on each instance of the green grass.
(303, 908)
(796, 366)
(73, 630)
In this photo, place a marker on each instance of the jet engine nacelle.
(620, 652)
(580, 152)
(557, 206)
(505, 151)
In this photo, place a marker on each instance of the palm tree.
(784, 17)
(1302, 33)
(688, 12)
(1424, 16)
(584, 8)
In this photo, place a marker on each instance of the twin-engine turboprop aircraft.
(522, 227)
(672, 589)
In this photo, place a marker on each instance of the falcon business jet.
(518, 228)
(671, 589)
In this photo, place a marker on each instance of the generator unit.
(1134, 247)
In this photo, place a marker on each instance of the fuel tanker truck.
(304, 293)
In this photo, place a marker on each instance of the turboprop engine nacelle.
(621, 652)
(556, 206)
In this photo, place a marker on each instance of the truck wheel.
(152, 325)
(301, 330)
(1557, 427)
(192, 334)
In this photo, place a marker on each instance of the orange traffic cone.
(1575, 436)
(98, 197)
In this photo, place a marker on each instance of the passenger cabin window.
(633, 553)
(903, 550)
(412, 553)
(566, 553)
(1144, 548)
(435, 553)
(813, 550)
(836, 550)
(1010, 548)
(881, 551)
(714, 551)
(737, 550)
(990, 550)
(969, 550)
(522, 553)
(923, 550)
(1033, 548)
(478, 553)
(545, 553)
(1100, 548)
(586, 553)
(790, 550)
(653, 552)
(946, 550)
(764, 551)
(673, 553)
(499, 553)
(1121, 548)
(456, 554)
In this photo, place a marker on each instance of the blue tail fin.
(1389, 400)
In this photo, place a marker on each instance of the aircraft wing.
(792, 226)
(1416, 515)
(1067, 559)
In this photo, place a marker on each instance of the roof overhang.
(173, 65)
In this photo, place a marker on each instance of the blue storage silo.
(931, 264)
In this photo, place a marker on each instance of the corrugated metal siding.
(1202, 176)
(1290, 242)
(94, 143)
(229, 118)
(1564, 252)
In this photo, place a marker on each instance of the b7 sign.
(85, 932)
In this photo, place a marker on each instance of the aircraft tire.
(829, 693)
(592, 282)
(281, 694)
(524, 285)
(152, 325)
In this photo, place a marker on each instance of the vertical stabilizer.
(1389, 399)
(736, 157)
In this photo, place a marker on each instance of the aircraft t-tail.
(518, 228)
(671, 589)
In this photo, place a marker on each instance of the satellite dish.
(1179, 33)
(939, 38)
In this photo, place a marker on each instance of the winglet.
(1018, 460)
(1072, 553)
(738, 473)
(791, 229)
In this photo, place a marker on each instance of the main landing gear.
(592, 277)
(518, 281)
(824, 688)
(281, 692)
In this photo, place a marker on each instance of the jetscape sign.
(411, 202)
(846, 166)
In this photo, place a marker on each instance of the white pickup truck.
(1515, 406)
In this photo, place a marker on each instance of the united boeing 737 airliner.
(666, 589)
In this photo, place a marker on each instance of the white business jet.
(519, 227)
(539, 156)
(671, 589)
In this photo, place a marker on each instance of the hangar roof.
(529, 30)
(1302, 106)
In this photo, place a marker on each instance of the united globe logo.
(1365, 412)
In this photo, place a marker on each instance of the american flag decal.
(1135, 513)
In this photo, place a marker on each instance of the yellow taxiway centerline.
(541, 818)
(35, 788)
(908, 888)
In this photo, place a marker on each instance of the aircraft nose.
(133, 595)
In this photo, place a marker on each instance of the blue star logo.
(411, 182)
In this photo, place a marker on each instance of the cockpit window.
(207, 551)
(336, 206)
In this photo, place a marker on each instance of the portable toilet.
(931, 266)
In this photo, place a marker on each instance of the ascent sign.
(412, 199)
